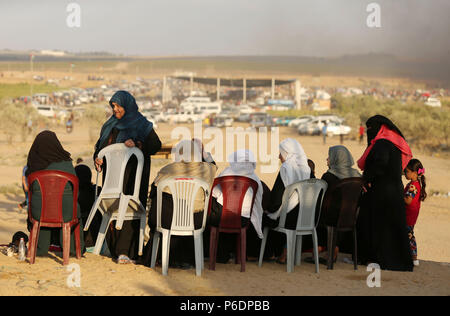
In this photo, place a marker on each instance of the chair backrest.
(52, 184)
(234, 189)
(310, 193)
(117, 157)
(183, 191)
(349, 191)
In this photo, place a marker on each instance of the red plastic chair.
(52, 184)
(233, 190)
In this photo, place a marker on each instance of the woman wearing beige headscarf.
(189, 162)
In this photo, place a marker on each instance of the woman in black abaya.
(382, 234)
(130, 127)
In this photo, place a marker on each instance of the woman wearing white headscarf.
(189, 162)
(242, 163)
(294, 168)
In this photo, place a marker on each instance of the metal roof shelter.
(250, 83)
(243, 83)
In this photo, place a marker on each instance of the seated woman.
(242, 163)
(127, 125)
(188, 163)
(47, 153)
(294, 168)
(340, 163)
(86, 198)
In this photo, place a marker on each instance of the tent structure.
(243, 83)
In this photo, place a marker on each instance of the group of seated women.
(128, 126)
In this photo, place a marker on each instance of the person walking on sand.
(324, 132)
(361, 133)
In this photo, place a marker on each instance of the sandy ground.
(101, 276)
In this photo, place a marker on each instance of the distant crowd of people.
(388, 211)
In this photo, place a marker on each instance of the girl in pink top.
(414, 194)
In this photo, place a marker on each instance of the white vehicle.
(46, 110)
(201, 105)
(245, 109)
(434, 102)
(223, 121)
(314, 127)
(84, 98)
(185, 117)
(300, 120)
(335, 129)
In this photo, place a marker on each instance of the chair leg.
(238, 259)
(330, 249)
(155, 246)
(165, 251)
(34, 238)
(203, 251)
(213, 241)
(333, 246)
(198, 253)
(315, 249)
(290, 240)
(298, 250)
(102, 233)
(66, 243)
(243, 248)
(77, 236)
(263, 246)
(141, 235)
(92, 214)
(355, 250)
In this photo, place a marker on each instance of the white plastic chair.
(308, 192)
(183, 191)
(129, 206)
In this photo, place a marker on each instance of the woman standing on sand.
(130, 127)
(47, 153)
(382, 232)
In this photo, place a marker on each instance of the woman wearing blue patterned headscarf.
(130, 127)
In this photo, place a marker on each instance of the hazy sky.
(413, 28)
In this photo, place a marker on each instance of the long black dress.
(330, 218)
(125, 241)
(382, 234)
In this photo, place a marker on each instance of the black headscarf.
(84, 174)
(45, 150)
(374, 124)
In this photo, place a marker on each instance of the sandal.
(281, 261)
(125, 260)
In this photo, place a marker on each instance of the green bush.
(15, 116)
(424, 127)
(95, 115)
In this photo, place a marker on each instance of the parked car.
(284, 121)
(434, 102)
(184, 117)
(260, 120)
(299, 120)
(335, 129)
(223, 121)
(46, 110)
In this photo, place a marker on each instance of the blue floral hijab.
(133, 125)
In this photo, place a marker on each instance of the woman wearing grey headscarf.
(340, 166)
